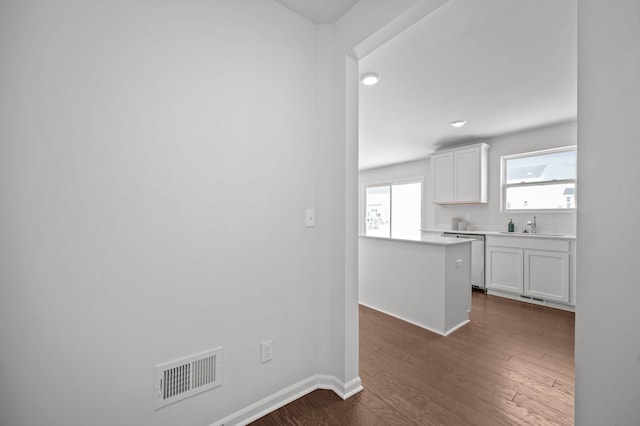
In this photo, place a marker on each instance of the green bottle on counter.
(511, 226)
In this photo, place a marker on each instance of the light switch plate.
(266, 351)
(310, 217)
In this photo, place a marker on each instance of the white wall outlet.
(266, 351)
(310, 218)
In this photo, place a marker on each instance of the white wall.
(608, 318)
(487, 216)
(338, 140)
(149, 205)
(156, 159)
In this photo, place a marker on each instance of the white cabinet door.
(505, 269)
(442, 166)
(460, 175)
(467, 175)
(546, 275)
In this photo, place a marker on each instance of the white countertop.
(425, 239)
(504, 234)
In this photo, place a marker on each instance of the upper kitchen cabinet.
(459, 175)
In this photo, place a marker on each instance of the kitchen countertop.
(424, 239)
(504, 234)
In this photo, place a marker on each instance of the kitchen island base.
(426, 282)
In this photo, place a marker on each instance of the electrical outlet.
(266, 351)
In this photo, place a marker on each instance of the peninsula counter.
(424, 280)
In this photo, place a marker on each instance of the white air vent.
(177, 380)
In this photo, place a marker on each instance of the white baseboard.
(279, 399)
(452, 329)
(426, 327)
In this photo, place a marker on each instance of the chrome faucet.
(533, 225)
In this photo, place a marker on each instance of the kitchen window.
(393, 210)
(541, 180)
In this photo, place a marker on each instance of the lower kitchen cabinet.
(505, 269)
(546, 275)
(529, 268)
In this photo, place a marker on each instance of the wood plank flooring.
(512, 365)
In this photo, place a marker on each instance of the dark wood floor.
(512, 365)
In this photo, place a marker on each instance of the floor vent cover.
(180, 379)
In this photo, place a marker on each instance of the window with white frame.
(393, 210)
(541, 180)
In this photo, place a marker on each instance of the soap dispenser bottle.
(511, 226)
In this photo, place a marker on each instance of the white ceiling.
(319, 11)
(501, 65)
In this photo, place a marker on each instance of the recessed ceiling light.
(369, 78)
(458, 123)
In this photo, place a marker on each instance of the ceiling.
(319, 11)
(501, 65)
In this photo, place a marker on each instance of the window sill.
(537, 211)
